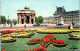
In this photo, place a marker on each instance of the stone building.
(68, 17)
(25, 16)
(48, 20)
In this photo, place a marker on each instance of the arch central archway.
(22, 21)
(32, 21)
(27, 19)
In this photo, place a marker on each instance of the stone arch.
(32, 21)
(22, 21)
(27, 19)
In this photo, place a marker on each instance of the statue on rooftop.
(26, 7)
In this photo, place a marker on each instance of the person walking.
(24, 25)
(10, 24)
(68, 26)
(71, 27)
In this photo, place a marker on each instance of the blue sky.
(43, 8)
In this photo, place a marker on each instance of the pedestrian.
(10, 24)
(71, 27)
(68, 26)
(24, 25)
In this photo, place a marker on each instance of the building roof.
(61, 11)
(26, 11)
(69, 12)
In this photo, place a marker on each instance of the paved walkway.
(29, 26)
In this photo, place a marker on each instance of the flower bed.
(74, 36)
(19, 35)
(46, 41)
(76, 30)
(54, 31)
(7, 31)
(7, 39)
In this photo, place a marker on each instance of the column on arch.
(30, 19)
(19, 18)
(34, 20)
(24, 19)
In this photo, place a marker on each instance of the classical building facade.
(68, 17)
(48, 20)
(26, 16)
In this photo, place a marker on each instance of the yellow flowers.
(54, 30)
(15, 34)
(76, 35)
(7, 38)
(10, 37)
(76, 30)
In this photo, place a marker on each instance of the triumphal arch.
(25, 16)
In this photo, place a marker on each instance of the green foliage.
(3, 19)
(40, 19)
(14, 21)
(37, 22)
(9, 21)
(36, 19)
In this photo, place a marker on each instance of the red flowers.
(19, 30)
(47, 39)
(2, 50)
(7, 31)
(10, 31)
(35, 49)
(57, 41)
(49, 36)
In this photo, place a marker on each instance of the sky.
(43, 8)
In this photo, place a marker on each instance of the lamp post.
(72, 18)
(8, 20)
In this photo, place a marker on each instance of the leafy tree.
(9, 21)
(37, 22)
(36, 19)
(40, 19)
(3, 19)
(14, 21)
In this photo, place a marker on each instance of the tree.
(3, 19)
(37, 22)
(36, 19)
(9, 21)
(40, 19)
(14, 21)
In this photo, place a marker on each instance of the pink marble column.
(30, 20)
(34, 20)
(24, 19)
(19, 19)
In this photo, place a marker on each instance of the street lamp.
(72, 18)
(8, 20)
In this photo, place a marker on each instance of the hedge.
(8, 41)
(74, 38)
(60, 45)
(54, 32)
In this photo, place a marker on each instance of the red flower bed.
(57, 41)
(48, 38)
(10, 31)
(19, 30)
(7, 31)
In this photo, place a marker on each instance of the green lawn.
(20, 44)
